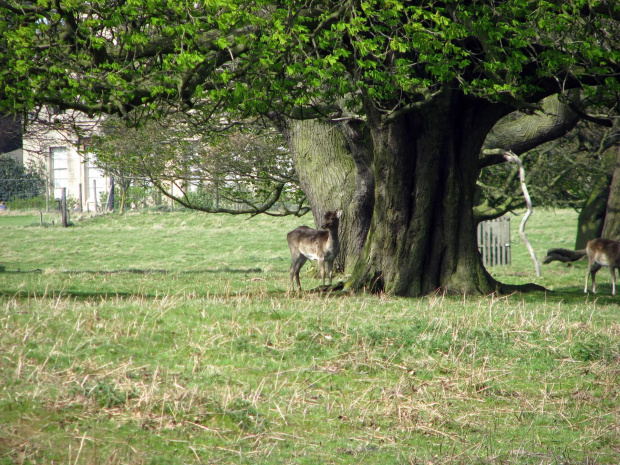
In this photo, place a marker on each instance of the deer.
(315, 244)
(602, 252)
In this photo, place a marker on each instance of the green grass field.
(170, 338)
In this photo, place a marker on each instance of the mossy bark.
(611, 228)
(592, 216)
(422, 234)
(334, 165)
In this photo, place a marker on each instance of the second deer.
(315, 244)
(602, 252)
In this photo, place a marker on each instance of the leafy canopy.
(248, 57)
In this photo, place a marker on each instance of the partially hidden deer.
(602, 252)
(315, 244)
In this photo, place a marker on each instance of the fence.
(494, 241)
(12, 189)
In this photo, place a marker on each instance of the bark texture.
(592, 216)
(611, 228)
(406, 185)
(422, 235)
(551, 120)
(334, 165)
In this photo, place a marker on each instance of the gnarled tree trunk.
(592, 216)
(422, 235)
(334, 165)
(611, 228)
(407, 190)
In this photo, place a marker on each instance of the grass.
(170, 338)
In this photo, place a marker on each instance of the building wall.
(53, 140)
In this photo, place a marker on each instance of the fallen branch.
(564, 255)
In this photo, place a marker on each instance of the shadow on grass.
(335, 291)
(572, 295)
(138, 271)
(119, 294)
(90, 295)
(75, 295)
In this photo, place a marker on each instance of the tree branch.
(512, 158)
(523, 133)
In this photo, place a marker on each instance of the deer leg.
(322, 266)
(297, 263)
(613, 280)
(593, 270)
(292, 270)
(292, 276)
(300, 263)
(330, 267)
(590, 270)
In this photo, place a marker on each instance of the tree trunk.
(407, 190)
(611, 228)
(422, 235)
(110, 203)
(334, 166)
(592, 215)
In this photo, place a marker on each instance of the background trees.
(18, 182)
(574, 171)
(412, 89)
(244, 171)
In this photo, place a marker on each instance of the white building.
(59, 140)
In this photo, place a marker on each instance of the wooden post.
(41, 213)
(95, 193)
(80, 200)
(63, 207)
(110, 204)
(47, 193)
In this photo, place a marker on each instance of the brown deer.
(307, 243)
(602, 252)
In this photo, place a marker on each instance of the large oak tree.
(386, 104)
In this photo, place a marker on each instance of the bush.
(32, 203)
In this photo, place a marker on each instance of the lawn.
(170, 338)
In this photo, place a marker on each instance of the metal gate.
(494, 241)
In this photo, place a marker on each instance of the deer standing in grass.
(602, 252)
(315, 244)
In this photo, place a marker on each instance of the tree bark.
(611, 228)
(524, 132)
(592, 216)
(334, 165)
(407, 190)
(422, 234)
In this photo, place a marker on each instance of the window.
(94, 173)
(60, 169)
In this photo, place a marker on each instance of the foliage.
(36, 203)
(18, 181)
(246, 58)
(169, 338)
(239, 172)
(251, 57)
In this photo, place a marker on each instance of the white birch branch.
(512, 158)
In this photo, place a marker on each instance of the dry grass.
(175, 367)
